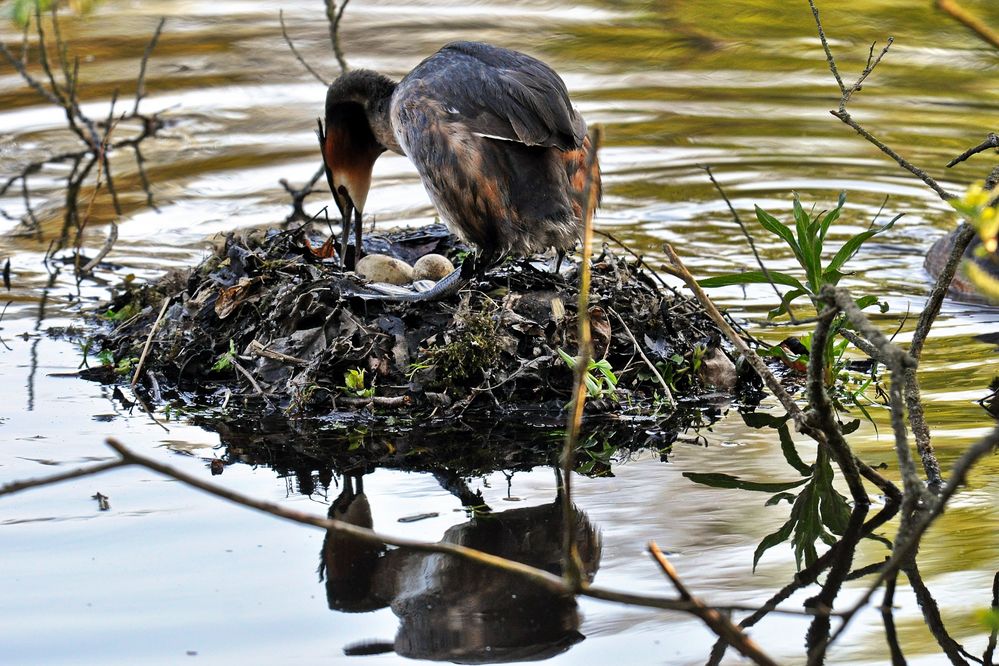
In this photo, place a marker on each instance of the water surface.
(742, 86)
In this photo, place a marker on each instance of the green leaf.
(785, 303)
(855, 399)
(989, 619)
(790, 451)
(831, 277)
(866, 301)
(831, 217)
(569, 360)
(808, 527)
(850, 427)
(776, 499)
(771, 540)
(775, 226)
(810, 252)
(717, 480)
(851, 246)
(752, 277)
(607, 371)
(835, 510)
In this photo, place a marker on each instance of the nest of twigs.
(269, 319)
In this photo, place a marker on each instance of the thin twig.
(991, 141)
(825, 47)
(26, 484)
(333, 18)
(104, 251)
(149, 340)
(749, 239)
(571, 565)
(261, 350)
(298, 56)
(847, 92)
(648, 363)
(140, 84)
(959, 14)
(717, 622)
(253, 382)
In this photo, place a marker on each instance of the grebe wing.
(500, 94)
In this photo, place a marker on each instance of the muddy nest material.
(269, 318)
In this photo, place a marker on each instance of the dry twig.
(298, 56)
(333, 17)
(718, 623)
(572, 567)
(652, 367)
(149, 340)
(961, 15)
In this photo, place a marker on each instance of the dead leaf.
(232, 297)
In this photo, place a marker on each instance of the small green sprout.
(602, 387)
(224, 361)
(353, 381)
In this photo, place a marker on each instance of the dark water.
(741, 86)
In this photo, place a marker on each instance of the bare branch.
(991, 141)
(958, 13)
(846, 118)
(715, 621)
(140, 84)
(333, 17)
(749, 239)
(298, 56)
(651, 366)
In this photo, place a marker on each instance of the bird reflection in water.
(453, 609)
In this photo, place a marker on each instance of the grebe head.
(357, 116)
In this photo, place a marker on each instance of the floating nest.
(268, 322)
